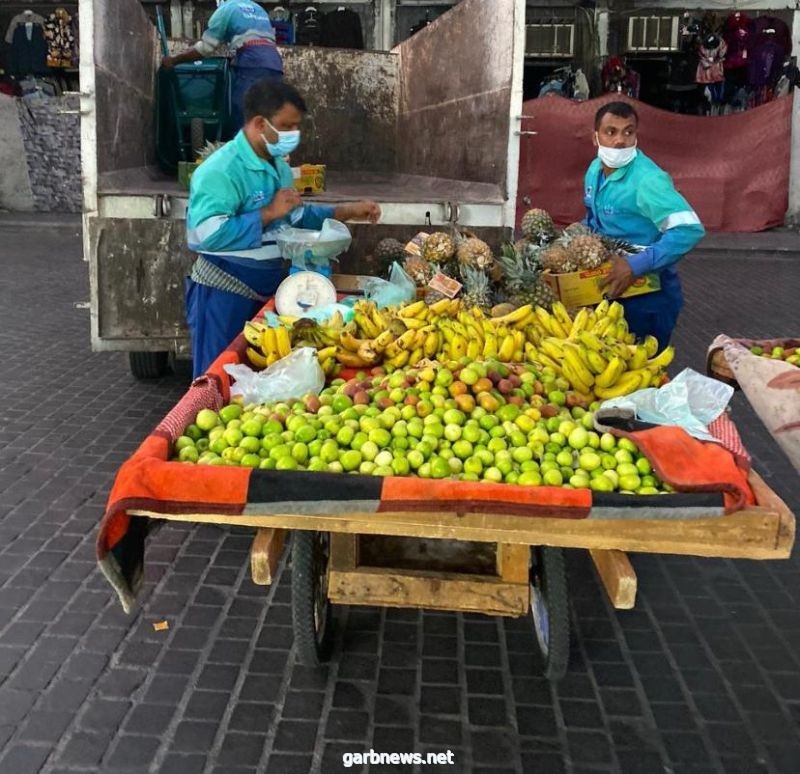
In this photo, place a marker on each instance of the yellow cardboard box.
(309, 178)
(582, 288)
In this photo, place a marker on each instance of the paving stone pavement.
(703, 676)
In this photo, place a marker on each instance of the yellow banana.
(601, 310)
(474, 348)
(650, 344)
(546, 360)
(458, 347)
(269, 341)
(408, 340)
(647, 378)
(399, 360)
(287, 319)
(351, 359)
(378, 319)
(349, 341)
(490, 345)
(531, 353)
(591, 340)
(552, 347)
(544, 318)
(328, 366)
(520, 313)
(562, 315)
(597, 363)
(415, 309)
(519, 339)
(506, 350)
(256, 358)
(253, 333)
(524, 322)
(414, 323)
(627, 384)
(579, 323)
(431, 345)
(616, 310)
(638, 358)
(326, 354)
(416, 355)
(602, 325)
(383, 340)
(663, 359)
(576, 364)
(609, 377)
(283, 341)
(574, 378)
(365, 325)
(453, 307)
(533, 334)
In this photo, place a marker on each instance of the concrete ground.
(703, 676)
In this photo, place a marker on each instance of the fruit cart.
(488, 548)
(779, 349)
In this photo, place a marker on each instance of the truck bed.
(341, 186)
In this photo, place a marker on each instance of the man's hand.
(620, 278)
(168, 62)
(365, 210)
(284, 201)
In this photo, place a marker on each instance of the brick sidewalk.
(703, 676)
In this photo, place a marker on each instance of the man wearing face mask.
(238, 199)
(630, 197)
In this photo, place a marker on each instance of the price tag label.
(444, 284)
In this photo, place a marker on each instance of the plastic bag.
(691, 401)
(293, 376)
(310, 250)
(400, 288)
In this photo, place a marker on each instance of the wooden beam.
(618, 576)
(344, 551)
(436, 591)
(265, 553)
(513, 562)
(756, 533)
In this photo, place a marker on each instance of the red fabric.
(690, 465)
(734, 170)
(723, 429)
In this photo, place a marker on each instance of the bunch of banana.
(266, 344)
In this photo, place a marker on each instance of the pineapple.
(438, 248)
(587, 251)
(523, 278)
(616, 245)
(537, 226)
(475, 253)
(558, 259)
(419, 270)
(577, 229)
(476, 288)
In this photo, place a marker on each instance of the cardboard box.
(309, 178)
(582, 288)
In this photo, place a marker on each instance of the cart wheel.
(311, 609)
(148, 365)
(550, 609)
(198, 135)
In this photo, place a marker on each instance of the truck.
(430, 129)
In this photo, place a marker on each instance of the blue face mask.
(287, 142)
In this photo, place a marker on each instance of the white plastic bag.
(691, 401)
(308, 249)
(400, 288)
(293, 376)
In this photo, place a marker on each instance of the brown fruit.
(465, 403)
(458, 388)
(505, 386)
(488, 402)
(549, 410)
(384, 403)
(361, 398)
(482, 385)
(313, 404)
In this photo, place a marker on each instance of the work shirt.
(246, 26)
(639, 203)
(226, 196)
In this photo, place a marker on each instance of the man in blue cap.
(629, 196)
(239, 198)
(247, 28)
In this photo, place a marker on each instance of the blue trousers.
(243, 79)
(656, 314)
(216, 317)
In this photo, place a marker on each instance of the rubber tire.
(198, 136)
(548, 571)
(313, 646)
(148, 365)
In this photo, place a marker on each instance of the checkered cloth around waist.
(204, 272)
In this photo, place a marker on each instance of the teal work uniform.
(639, 203)
(223, 224)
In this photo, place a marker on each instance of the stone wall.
(52, 141)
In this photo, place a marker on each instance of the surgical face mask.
(615, 157)
(287, 142)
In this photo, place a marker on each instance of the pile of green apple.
(787, 354)
(481, 422)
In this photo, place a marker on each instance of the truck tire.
(311, 609)
(198, 134)
(549, 611)
(148, 365)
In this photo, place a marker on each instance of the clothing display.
(309, 27)
(26, 36)
(60, 40)
(710, 68)
(738, 38)
(283, 23)
(341, 28)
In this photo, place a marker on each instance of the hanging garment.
(765, 64)
(309, 27)
(341, 29)
(710, 68)
(738, 38)
(28, 50)
(58, 32)
(26, 17)
(780, 32)
(581, 88)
